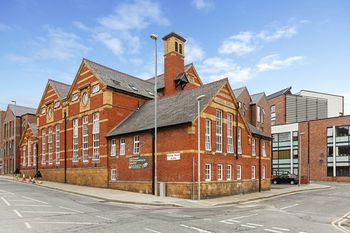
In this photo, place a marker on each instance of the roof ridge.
(52, 80)
(16, 105)
(189, 64)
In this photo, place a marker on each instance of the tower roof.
(174, 35)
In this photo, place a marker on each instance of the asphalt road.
(28, 208)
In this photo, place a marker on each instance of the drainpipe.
(14, 145)
(153, 163)
(108, 154)
(308, 152)
(65, 147)
(36, 160)
(259, 164)
(237, 133)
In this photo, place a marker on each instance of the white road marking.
(18, 213)
(108, 219)
(45, 212)
(151, 230)
(71, 223)
(66, 208)
(230, 221)
(6, 192)
(279, 228)
(25, 205)
(28, 225)
(247, 226)
(274, 231)
(32, 199)
(195, 228)
(337, 223)
(254, 224)
(18, 200)
(6, 202)
(290, 206)
(245, 216)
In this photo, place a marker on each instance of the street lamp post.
(199, 99)
(154, 37)
(300, 151)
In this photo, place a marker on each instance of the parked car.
(285, 179)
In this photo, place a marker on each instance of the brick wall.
(280, 103)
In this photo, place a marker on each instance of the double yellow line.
(338, 223)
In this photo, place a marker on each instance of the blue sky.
(264, 45)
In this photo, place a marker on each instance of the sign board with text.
(138, 162)
(173, 156)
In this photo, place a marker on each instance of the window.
(43, 147)
(263, 175)
(253, 172)
(229, 172)
(29, 153)
(75, 140)
(75, 97)
(85, 135)
(258, 114)
(207, 172)
(263, 148)
(262, 115)
(85, 98)
(35, 156)
(57, 104)
(113, 148)
(239, 104)
(95, 88)
(136, 145)
(43, 110)
(220, 171)
(218, 130)
(273, 115)
(24, 157)
(96, 136)
(253, 147)
(49, 144)
(230, 133)
(176, 46)
(208, 135)
(122, 147)
(58, 144)
(114, 174)
(239, 172)
(239, 141)
(180, 48)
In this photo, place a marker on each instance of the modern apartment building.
(300, 125)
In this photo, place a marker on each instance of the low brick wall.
(29, 172)
(139, 187)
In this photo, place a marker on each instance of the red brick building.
(28, 147)
(2, 117)
(79, 126)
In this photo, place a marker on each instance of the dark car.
(285, 179)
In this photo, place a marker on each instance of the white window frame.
(24, 156)
(58, 144)
(49, 144)
(239, 139)
(113, 148)
(208, 135)
(258, 114)
(220, 172)
(96, 136)
(263, 145)
(262, 115)
(263, 171)
(75, 140)
(239, 172)
(122, 146)
(136, 145)
(29, 153)
(253, 147)
(35, 156)
(229, 172)
(95, 88)
(273, 114)
(207, 172)
(113, 174)
(218, 130)
(253, 172)
(85, 138)
(230, 133)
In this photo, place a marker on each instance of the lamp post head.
(154, 36)
(199, 98)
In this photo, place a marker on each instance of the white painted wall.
(335, 103)
(284, 128)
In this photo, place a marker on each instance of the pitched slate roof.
(121, 81)
(19, 111)
(256, 131)
(62, 89)
(160, 78)
(256, 97)
(34, 129)
(172, 110)
(278, 93)
(238, 91)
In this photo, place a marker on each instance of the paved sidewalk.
(146, 199)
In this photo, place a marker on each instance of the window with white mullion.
(96, 136)
(239, 139)
(24, 157)
(113, 148)
(263, 148)
(218, 130)
(49, 144)
(208, 135)
(258, 114)
(29, 153)
(207, 172)
(122, 147)
(230, 133)
(58, 144)
(136, 145)
(220, 171)
(75, 140)
(85, 138)
(35, 156)
(229, 172)
(253, 147)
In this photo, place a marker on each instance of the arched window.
(180, 48)
(176, 45)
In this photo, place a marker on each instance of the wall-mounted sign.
(173, 156)
(138, 162)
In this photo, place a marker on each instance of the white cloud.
(60, 45)
(194, 51)
(239, 44)
(138, 14)
(273, 62)
(81, 26)
(247, 42)
(203, 4)
(112, 43)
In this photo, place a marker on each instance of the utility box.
(162, 189)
